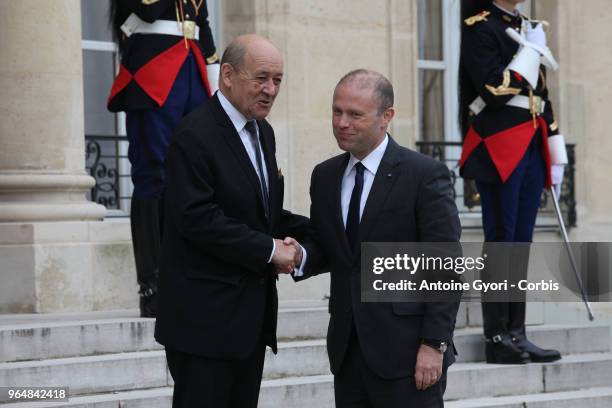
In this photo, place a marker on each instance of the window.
(439, 40)
(438, 60)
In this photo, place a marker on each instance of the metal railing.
(468, 199)
(106, 161)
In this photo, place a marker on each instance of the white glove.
(525, 61)
(536, 35)
(556, 173)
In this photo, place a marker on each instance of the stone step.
(599, 397)
(38, 336)
(41, 336)
(573, 372)
(306, 392)
(568, 339)
(90, 374)
(300, 392)
(147, 369)
(24, 338)
(310, 357)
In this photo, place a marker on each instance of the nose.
(269, 87)
(342, 121)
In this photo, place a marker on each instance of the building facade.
(57, 63)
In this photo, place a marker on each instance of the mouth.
(265, 103)
(344, 135)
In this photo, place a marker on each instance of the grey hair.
(234, 54)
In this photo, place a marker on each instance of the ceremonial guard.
(168, 67)
(511, 147)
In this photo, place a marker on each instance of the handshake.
(287, 255)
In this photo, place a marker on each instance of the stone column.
(46, 258)
(42, 176)
(581, 96)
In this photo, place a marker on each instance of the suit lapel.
(336, 193)
(267, 145)
(235, 143)
(385, 179)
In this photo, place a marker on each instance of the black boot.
(500, 349)
(536, 354)
(145, 220)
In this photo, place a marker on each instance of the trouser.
(201, 382)
(509, 213)
(357, 386)
(149, 134)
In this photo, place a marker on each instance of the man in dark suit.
(218, 300)
(381, 354)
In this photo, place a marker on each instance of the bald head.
(251, 74)
(237, 50)
(382, 90)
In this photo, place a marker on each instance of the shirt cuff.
(273, 249)
(299, 272)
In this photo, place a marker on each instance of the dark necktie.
(251, 128)
(352, 219)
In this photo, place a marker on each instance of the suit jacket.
(217, 291)
(411, 200)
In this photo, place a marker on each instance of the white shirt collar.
(237, 118)
(372, 160)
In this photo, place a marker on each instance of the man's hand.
(286, 255)
(298, 249)
(428, 369)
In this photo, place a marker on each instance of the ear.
(227, 71)
(388, 116)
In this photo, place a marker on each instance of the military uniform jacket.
(497, 138)
(151, 62)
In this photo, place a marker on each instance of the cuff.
(299, 272)
(273, 249)
(527, 64)
(556, 147)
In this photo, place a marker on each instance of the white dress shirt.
(371, 163)
(239, 122)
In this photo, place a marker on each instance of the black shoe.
(148, 303)
(536, 354)
(501, 350)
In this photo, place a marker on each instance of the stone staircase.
(110, 359)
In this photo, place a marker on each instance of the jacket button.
(262, 281)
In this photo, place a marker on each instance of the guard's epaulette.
(482, 16)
